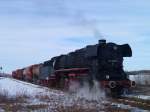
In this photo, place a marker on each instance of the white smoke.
(78, 18)
(92, 94)
(85, 96)
(89, 24)
(87, 92)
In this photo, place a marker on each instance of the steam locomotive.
(102, 62)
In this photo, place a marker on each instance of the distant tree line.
(4, 75)
(147, 72)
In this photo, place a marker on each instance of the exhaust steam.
(87, 92)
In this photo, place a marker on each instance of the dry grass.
(36, 107)
(12, 103)
(6, 98)
(117, 110)
(19, 102)
(77, 108)
(141, 103)
(134, 102)
(12, 107)
(3, 96)
(43, 97)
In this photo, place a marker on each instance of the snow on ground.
(54, 99)
(44, 96)
(143, 97)
(130, 108)
(14, 87)
(1, 110)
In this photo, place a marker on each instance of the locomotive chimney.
(102, 42)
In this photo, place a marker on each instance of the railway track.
(134, 102)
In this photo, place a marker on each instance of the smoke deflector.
(125, 50)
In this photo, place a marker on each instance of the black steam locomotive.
(102, 62)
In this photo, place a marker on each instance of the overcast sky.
(32, 31)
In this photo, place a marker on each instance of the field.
(18, 96)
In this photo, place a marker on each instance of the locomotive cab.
(110, 60)
(110, 64)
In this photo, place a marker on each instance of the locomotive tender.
(102, 62)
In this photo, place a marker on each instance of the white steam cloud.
(87, 92)
(87, 24)
(91, 94)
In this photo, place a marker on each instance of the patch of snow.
(123, 106)
(1, 110)
(15, 87)
(144, 97)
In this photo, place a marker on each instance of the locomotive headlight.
(47, 78)
(107, 77)
(115, 47)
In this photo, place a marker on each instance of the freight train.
(102, 62)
